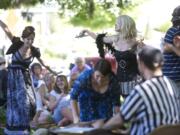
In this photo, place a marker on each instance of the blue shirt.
(171, 67)
(94, 105)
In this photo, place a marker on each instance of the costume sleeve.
(16, 44)
(131, 105)
(35, 52)
(100, 45)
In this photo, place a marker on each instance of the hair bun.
(30, 28)
(28, 31)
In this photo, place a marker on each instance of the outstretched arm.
(6, 30)
(91, 34)
(106, 39)
(114, 123)
(47, 67)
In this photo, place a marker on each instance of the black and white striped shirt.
(151, 104)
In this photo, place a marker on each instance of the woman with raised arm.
(123, 46)
(20, 95)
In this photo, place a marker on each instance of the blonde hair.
(49, 80)
(126, 27)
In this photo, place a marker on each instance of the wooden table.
(83, 131)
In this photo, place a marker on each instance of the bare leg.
(66, 112)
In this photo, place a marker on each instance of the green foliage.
(52, 54)
(2, 118)
(101, 19)
(132, 8)
(5, 4)
(101, 15)
(73, 5)
(164, 27)
(2, 115)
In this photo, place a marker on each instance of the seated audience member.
(42, 99)
(38, 82)
(79, 67)
(153, 102)
(60, 103)
(95, 94)
(49, 80)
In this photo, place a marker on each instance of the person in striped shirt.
(153, 102)
(171, 49)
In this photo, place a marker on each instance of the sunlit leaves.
(5, 4)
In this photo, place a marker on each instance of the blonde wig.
(126, 27)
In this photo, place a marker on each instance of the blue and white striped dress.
(150, 105)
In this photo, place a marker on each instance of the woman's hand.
(82, 34)
(50, 70)
(76, 119)
(168, 47)
(6, 30)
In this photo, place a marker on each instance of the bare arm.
(42, 92)
(74, 107)
(171, 48)
(114, 123)
(53, 103)
(47, 67)
(106, 39)
(176, 50)
(91, 34)
(6, 30)
(116, 109)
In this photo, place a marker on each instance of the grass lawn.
(2, 119)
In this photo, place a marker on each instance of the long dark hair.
(151, 57)
(103, 66)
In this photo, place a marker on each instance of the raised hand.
(6, 30)
(82, 34)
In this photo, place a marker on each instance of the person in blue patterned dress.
(20, 95)
(95, 94)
